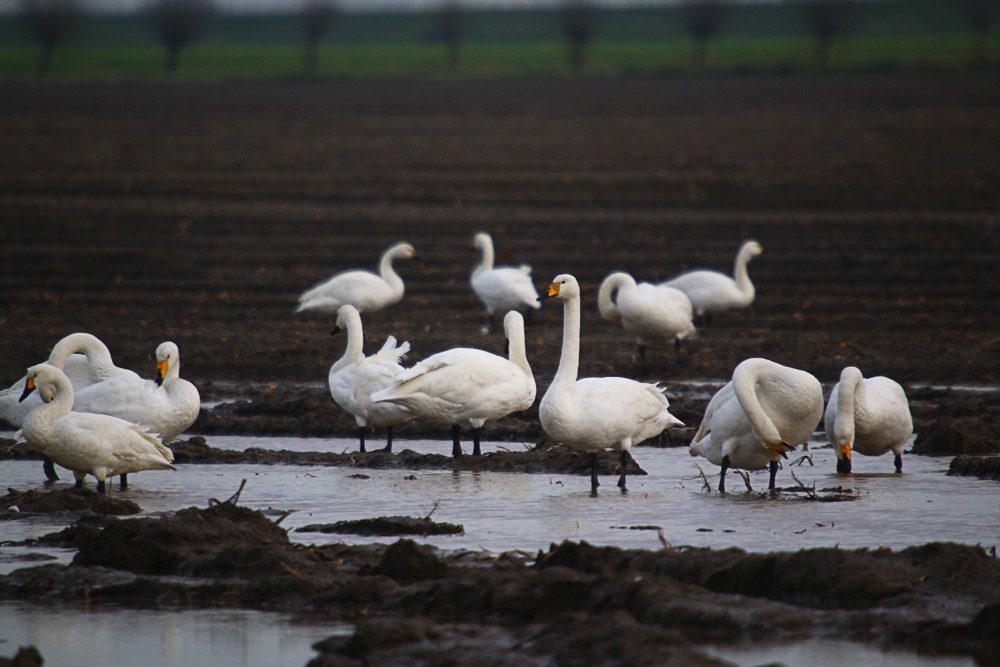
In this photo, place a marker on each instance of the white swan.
(501, 288)
(364, 290)
(867, 415)
(595, 413)
(167, 406)
(466, 387)
(86, 443)
(354, 378)
(766, 410)
(655, 314)
(712, 292)
(82, 357)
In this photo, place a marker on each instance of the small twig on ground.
(663, 540)
(437, 503)
(802, 459)
(810, 491)
(284, 516)
(233, 499)
(705, 486)
(746, 479)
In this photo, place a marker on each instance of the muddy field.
(199, 213)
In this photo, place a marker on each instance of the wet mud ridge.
(412, 604)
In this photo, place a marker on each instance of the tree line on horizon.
(179, 23)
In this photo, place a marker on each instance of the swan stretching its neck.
(763, 412)
(364, 290)
(867, 415)
(466, 387)
(86, 443)
(354, 378)
(713, 292)
(592, 414)
(502, 288)
(655, 314)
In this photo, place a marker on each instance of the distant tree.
(317, 17)
(178, 23)
(451, 19)
(827, 21)
(49, 22)
(576, 21)
(702, 19)
(979, 14)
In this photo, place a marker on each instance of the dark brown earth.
(198, 213)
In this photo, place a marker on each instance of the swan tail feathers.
(391, 351)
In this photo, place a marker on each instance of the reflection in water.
(829, 653)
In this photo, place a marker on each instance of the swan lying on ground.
(712, 291)
(167, 406)
(595, 413)
(502, 288)
(655, 314)
(364, 290)
(354, 378)
(467, 387)
(765, 411)
(86, 443)
(867, 415)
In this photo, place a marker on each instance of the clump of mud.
(27, 656)
(19, 504)
(386, 525)
(986, 467)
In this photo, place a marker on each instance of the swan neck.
(389, 274)
(740, 273)
(355, 344)
(605, 303)
(851, 393)
(486, 264)
(518, 354)
(98, 355)
(61, 404)
(569, 360)
(745, 380)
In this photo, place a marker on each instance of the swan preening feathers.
(366, 291)
(501, 288)
(713, 292)
(354, 378)
(86, 443)
(761, 414)
(870, 416)
(655, 314)
(595, 413)
(466, 387)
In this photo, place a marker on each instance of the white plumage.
(86, 443)
(595, 413)
(501, 288)
(354, 378)
(654, 314)
(712, 291)
(867, 415)
(85, 360)
(366, 291)
(766, 410)
(467, 387)
(167, 406)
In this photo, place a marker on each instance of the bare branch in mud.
(232, 500)
(746, 479)
(705, 486)
(802, 459)
(437, 503)
(810, 491)
(663, 540)
(284, 516)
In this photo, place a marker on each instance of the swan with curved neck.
(867, 415)
(712, 291)
(354, 378)
(466, 387)
(503, 288)
(592, 414)
(653, 313)
(86, 443)
(366, 291)
(755, 419)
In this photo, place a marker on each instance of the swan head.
(42, 377)
(345, 314)
(513, 328)
(482, 240)
(167, 356)
(563, 287)
(402, 250)
(751, 248)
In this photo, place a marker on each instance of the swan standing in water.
(364, 290)
(595, 413)
(867, 415)
(766, 410)
(86, 443)
(712, 291)
(466, 387)
(501, 288)
(354, 378)
(655, 314)
(85, 360)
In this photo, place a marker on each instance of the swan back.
(783, 404)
